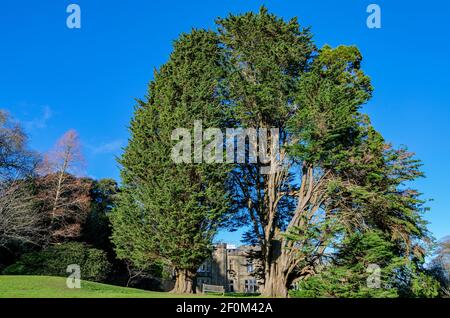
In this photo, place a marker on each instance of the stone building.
(231, 267)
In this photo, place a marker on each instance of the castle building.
(231, 267)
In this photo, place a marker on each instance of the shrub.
(54, 260)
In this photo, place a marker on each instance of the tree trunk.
(275, 285)
(185, 282)
(276, 274)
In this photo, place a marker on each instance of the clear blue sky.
(53, 78)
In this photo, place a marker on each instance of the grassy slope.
(55, 287)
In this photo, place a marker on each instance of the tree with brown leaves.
(63, 194)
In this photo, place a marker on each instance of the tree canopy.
(168, 211)
(336, 180)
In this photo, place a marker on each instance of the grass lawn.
(55, 287)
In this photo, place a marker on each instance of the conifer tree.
(169, 211)
(335, 174)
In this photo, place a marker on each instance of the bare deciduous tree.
(440, 265)
(64, 196)
(19, 220)
(16, 161)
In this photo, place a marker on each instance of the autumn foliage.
(64, 196)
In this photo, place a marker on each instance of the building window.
(230, 265)
(231, 286)
(250, 267)
(251, 286)
(205, 267)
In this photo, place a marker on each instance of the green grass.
(55, 287)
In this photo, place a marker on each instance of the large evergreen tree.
(333, 176)
(170, 211)
(336, 173)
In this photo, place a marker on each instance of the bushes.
(53, 261)
(347, 276)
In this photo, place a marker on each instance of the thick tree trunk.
(280, 260)
(276, 275)
(275, 284)
(185, 282)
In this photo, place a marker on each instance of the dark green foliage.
(349, 276)
(96, 230)
(168, 211)
(54, 260)
(367, 189)
(338, 175)
(264, 58)
(340, 282)
(329, 96)
(346, 275)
